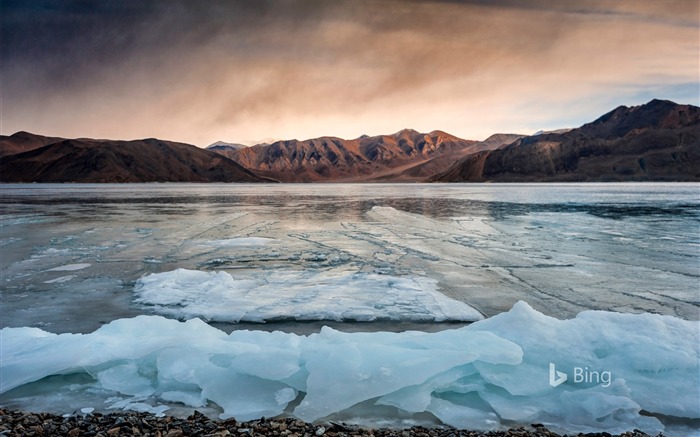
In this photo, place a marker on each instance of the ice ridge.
(490, 374)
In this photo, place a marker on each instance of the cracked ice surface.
(488, 375)
(275, 295)
(563, 248)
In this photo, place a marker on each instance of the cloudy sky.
(253, 70)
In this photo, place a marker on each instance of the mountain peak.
(406, 132)
(498, 140)
(222, 145)
(656, 113)
(440, 133)
(653, 102)
(22, 134)
(334, 159)
(93, 160)
(657, 141)
(24, 141)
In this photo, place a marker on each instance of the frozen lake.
(110, 260)
(392, 256)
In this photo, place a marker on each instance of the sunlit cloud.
(241, 71)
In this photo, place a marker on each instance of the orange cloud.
(243, 71)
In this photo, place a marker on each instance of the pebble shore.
(20, 423)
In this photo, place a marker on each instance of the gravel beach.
(20, 423)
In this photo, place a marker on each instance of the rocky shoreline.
(20, 423)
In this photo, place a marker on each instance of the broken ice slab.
(298, 295)
(491, 374)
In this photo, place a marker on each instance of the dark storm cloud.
(60, 37)
(200, 71)
(66, 34)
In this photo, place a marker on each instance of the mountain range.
(403, 156)
(26, 157)
(657, 141)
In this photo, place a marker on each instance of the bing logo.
(581, 375)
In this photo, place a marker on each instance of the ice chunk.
(301, 295)
(245, 397)
(367, 366)
(60, 279)
(490, 374)
(142, 407)
(69, 267)
(125, 378)
(286, 395)
(239, 242)
(135, 404)
(191, 399)
(655, 355)
(461, 416)
(418, 398)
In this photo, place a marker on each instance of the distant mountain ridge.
(367, 158)
(90, 160)
(24, 142)
(221, 146)
(657, 141)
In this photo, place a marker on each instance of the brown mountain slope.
(149, 160)
(423, 171)
(496, 141)
(23, 142)
(366, 158)
(658, 141)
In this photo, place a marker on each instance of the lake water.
(389, 257)
(72, 254)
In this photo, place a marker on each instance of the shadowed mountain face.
(88, 160)
(658, 141)
(383, 157)
(24, 142)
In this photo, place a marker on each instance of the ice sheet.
(298, 295)
(491, 374)
(563, 248)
